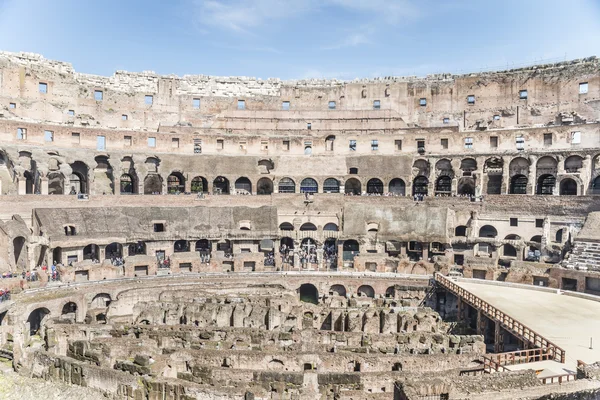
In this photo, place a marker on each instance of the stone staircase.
(585, 256)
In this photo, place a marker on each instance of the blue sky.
(299, 39)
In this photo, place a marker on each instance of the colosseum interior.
(202, 237)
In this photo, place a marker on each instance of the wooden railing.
(522, 356)
(515, 327)
(490, 365)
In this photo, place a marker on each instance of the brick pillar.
(498, 338)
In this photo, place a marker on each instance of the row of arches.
(310, 294)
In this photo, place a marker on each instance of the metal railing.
(515, 327)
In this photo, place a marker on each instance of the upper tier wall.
(551, 90)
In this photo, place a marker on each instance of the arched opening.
(460, 230)
(421, 167)
(308, 150)
(397, 187)
(415, 250)
(595, 189)
(181, 246)
(221, 185)
(468, 165)
(199, 185)
(202, 245)
(390, 292)
(113, 250)
(518, 184)
(275, 365)
(420, 186)
(466, 187)
(547, 165)
(329, 140)
(264, 187)
(286, 226)
(536, 245)
(78, 178)
(350, 248)
(69, 310)
(559, 236)
(243, 186)
(137, 249)
(57, 255)
(36, 320)
(444, 167)
(488, 231)
(366, 291)
(175, 183)
(91, 252)
(512, 237)
(573, 164)
(308, 226)
(340, 290)
(56, 183)
(29, 182)
(18, 251)
(103, 176)
(353, 187)
(494, 168)
(443, 186)
(397, 367)
(375, 186)
(153, 184)
(546, 184)
(568, 187)
(309, 185)
(286, 185)
(127, 185)
(330, 227)
(101, 300)
(509, 250)
(309, 293)
(331, 185)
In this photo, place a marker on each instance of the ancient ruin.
(202, 237)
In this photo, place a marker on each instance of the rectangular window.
(332, 105)
(174, 143)
(514, 222)
(12, 105)
(376, 105)
(494, 141)
(547, 139)
(100, 142)
(520, 143)
(242, 145)
(49, 136)
(421, 146)
(352, 145)
(286, 145)
(471, 99)
(98, 95)
(241, 104)
(264, 145)
(197, 146)
(71, 112)
(151, 142)
(576, 138)
(196, 103)
(374, 145)
(444, 143)
(124, 117)
(43, 87)
(539, 223)
(469, 143)
(158, 227)
(583, 88)
(285, 106)
(398, 144)
(446, 120)
(75, 138)
(21, 134)
(523, 94)
(496, 117)
(220, 144)
(148, 99)
(309, 126)
(127, 141)
(423, 102)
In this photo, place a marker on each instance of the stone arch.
(243, 185)
(199, 185)
(444, 167)
(354, 187)
(468, 166)
(153, 184)
(181, 246)
(20, 252)
(573, 164)
(264, 186)
(331, 185)
(519, 166)
(152, 164)
(221, 185)
(127, 184)
(309, 185)
(390, 292)
(375, 186)
(546, 165)
(91, 252)
(286, 226)
(175, 183)
(308, 226)
(309, 293)
(488, 231)
(331, 227)
(443, 185)
(546, 184)
(508, 250)
(568, 187)
(397, 186)
(512, 236)
(518, 184)
(466, 186)
(365, 291)
(101, 300)
(340, 290)
(421, 185)
(69, 309)
(36, 319)
(79, 178)
(286, 185)
(113, 250)
(275, 365)
(460, 230)
(421, 167)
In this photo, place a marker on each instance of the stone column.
(505, 176)
(44, 186)
(22, 185)
(532, 181)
